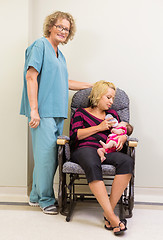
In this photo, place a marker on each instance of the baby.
(112, 140)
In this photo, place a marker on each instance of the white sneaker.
(33, 204)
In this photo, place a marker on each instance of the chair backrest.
(121, 102)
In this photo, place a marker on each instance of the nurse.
(45, 103)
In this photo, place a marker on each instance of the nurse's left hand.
(35, 119)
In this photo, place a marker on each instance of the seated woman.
(89, 126)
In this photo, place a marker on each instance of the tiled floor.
(29, 223)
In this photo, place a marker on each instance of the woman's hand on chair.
(121, 140)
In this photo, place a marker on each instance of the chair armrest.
(62, 140)
(132, 142)
(63, 156)
(64, 148)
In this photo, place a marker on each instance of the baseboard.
(21, 194)
(14, 194)
(148, 195)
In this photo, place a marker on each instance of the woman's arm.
(32, 90)
(123, 138)
(75, 85)
(86, 132)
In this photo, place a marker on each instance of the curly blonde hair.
(99, 89)
(52, 19)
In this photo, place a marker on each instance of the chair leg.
(121, 208)
(63, 210)
(131, 196)
(62, 179)
(71, 197)
(71, 205)
(130, 199)
(62, 196)
(70, 211)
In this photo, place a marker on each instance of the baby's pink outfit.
(112, 137)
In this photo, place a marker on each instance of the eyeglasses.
(60, 28)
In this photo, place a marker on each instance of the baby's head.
(122, 124)
(121, 128)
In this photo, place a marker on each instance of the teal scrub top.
(52, 80)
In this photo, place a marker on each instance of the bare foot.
(103, 158)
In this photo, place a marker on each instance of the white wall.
(119, 41)
(13, 140)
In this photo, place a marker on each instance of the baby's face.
(122, 124)
(117, 131)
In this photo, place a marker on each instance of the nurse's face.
(60, 31)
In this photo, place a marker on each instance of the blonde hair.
(99, 89)
(52, 19)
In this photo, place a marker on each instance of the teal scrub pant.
(44, 139)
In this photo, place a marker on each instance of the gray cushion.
(121, 102)
(70, 167)
(80, 99)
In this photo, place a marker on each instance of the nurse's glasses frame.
(60, 28)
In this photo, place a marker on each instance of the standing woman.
(45, 103)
